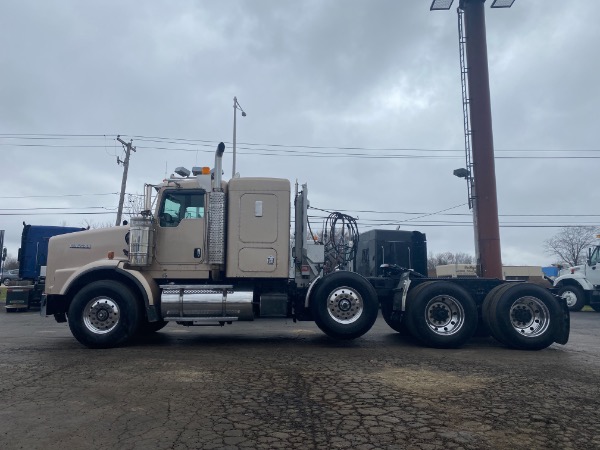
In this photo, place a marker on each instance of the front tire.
(574, 297)
(104, 314)
(344, 305)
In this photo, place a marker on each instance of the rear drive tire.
(524, 316)
(344, 305)
(441, 314)
(488, 312)
(104, 314)
(394, 319)
(574, 297)
(401, 325)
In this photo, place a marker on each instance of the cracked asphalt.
(275, 384)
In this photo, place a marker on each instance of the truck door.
(593, 271)
(181, 231)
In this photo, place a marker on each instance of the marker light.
(201, 170)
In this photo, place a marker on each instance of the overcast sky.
(374, 85)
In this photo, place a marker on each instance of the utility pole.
(2, 251)
(128, 149)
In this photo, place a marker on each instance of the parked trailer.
(213, 252)
(33, 253)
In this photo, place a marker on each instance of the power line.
(370, 211)
(53, 213)
(287, 150)
(59, 208)
(327, 210)
(305, 154)
(58, 196)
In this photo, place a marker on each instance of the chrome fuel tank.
(206, 301)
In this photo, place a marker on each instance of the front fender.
(574, 278)
(65, 278)
(69, 280)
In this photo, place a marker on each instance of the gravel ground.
(276, 384)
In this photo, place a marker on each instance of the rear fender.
(310, 289)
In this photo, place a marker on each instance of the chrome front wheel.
(101, 315)
(104, 313)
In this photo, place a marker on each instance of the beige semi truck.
(209, 252)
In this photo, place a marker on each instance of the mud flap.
(564, 326)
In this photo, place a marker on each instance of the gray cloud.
(379, 74)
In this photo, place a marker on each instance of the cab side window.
(595, 259)
(194, 206)
(179, 205)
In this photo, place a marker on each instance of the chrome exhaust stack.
(216, 213)
(218, 170)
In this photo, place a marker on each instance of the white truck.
(213, 252)
(580, 285)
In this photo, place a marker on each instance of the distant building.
(456, 271)
(532, 274)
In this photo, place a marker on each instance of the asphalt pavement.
(277, 384)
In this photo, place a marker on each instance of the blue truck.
(33, 254)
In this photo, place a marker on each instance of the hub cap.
(444, 315)
(570, 297)
(344, 305)
(530, 316)
(101, 315)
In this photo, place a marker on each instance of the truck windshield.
(179, 205)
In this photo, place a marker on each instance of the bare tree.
(569, 243)
(441, 259)
(11, 262)
(92, 225)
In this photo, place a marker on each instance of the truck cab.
(580, 285)
(202, 252)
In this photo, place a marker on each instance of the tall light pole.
(236, 106)
(478, 107)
